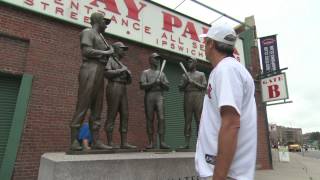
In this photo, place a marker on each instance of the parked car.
(294, 148)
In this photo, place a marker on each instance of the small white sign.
(274, 88)
(284, 154)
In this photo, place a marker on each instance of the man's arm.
(227, 142)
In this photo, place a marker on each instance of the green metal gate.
(174, 109)
(14, 96)
(9, 88)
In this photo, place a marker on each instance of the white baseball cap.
(222, 33)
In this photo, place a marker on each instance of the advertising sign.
(274, 88)
(269, 53)
(284, 154)
(136, 20)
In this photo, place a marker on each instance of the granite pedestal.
(122, 166)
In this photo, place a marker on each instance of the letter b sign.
(273, 91)
(274, 88)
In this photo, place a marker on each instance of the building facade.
(39, 66)
(284, 135)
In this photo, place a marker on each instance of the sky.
(297, 25)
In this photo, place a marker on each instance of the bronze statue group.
(101, 60)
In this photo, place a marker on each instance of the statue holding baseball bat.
(193, 84)
(154, 83)
(95, 53)
(119, 76)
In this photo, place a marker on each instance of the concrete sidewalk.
(299, 168)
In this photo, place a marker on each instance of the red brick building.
(39, 64)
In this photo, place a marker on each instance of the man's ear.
(212, 44)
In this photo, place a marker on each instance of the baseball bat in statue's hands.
(158, 79)
(184, 70)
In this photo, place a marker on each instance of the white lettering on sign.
(274, 88)
(137, 20)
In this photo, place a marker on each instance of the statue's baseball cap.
(120, 45)
(155, 55)
(96, 16)
(222, 33)
(108, 21)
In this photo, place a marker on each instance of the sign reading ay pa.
(274, 88)
(137, 20)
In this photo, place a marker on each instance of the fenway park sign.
(137, 20)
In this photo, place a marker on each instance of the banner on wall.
(137, 20)
(269, 53)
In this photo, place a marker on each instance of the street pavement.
(298, 168)
(311, 153)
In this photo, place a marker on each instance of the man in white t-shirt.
(227, 139)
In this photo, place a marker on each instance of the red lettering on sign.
(180, 48)
(88, 9)
(170, 21)
(273, 91)
(172, 46)
(191, 29)
(164, 43)
(74, 5)
(125, 22)
(147, 29)
(59, 10)
(113, 18)
(194, 45)
(180, 42)
(172, 39)
(164, 36)
(74, 15)
(204, 31)
(44, 5)
(133, 11)
(202, 47)
(110, 5)
(136, 26)
(29, 2)
(86, 19)
(58, 2)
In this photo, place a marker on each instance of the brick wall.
(49, 50)
(13, 53)
(263, 156)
